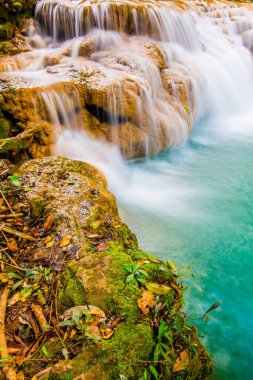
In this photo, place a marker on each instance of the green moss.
(37, 206)
(71, 292)
(130, 347)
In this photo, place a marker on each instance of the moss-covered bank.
(12, 16)
(96, 261)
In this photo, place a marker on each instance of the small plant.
(135, 275)
(82, 321)
(164, 338)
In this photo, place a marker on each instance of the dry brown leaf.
(14, 299)
(146, 301)
(94, 331)
(12, 245)
(176, 288)
(66, 240)
(181, 362)
(88, 309)
(48, 239)
(23, 321)
(92, 236)
(102, 247)
(48, 222)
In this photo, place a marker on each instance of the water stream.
(191, 203)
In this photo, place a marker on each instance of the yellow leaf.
(171, 265)
(146, 301)
(66, 240)
(95, 224)
(4, 277)
(106, 333)
(48, 239)
(48, 222)
(181, 362)
(50, 244)
(154, 260)
(73, 333)
(12, 245)
(158, 288)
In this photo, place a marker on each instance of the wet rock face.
(93, 267)
(117, 72)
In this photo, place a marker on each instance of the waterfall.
(143, 72)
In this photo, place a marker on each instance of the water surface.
(196, 210)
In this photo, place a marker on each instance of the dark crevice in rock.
(104, 116)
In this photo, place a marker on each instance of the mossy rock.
(76, 194)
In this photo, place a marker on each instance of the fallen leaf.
(92, 236)
(66, 240)
(146, 301)
(73, 333)
(171, 265)
(95, 224)
(48, 222)
(1, 202)
(14, 299)
(106, 333)
(23, 321)
(4, 277)
(48, 239)
(92, 332)
(176, 288)
(50, 244)
(12, 245)
(86, 309)
(14, 180)
(102, 247)
(15, 348)
(158, 288)
(181, 362)
(154, 260)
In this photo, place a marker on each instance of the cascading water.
(139, 75)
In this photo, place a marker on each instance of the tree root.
(8, 370)
(21, 141)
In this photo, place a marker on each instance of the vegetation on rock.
(82, 300)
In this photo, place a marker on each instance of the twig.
(4, 353)
(41, 375)
(13, 266)
(6, 201)
(11, 215)
(12, 260)
(38, 312)
(10, 231)
(34, 324)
